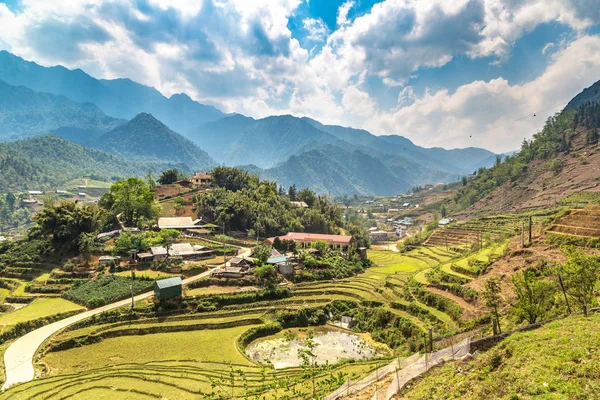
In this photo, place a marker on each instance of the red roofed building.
(306, 239)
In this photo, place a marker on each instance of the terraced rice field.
(184, 356)
(38, 308)
(582, 223)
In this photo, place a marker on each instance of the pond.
(332, 346)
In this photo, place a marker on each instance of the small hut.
(168, 289)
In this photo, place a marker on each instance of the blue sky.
(442, 73)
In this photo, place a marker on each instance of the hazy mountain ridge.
(26, 113)
(120, 98)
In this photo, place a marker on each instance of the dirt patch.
(469, 310)
(516, 259)
(368, 392)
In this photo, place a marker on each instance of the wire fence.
(403, 371)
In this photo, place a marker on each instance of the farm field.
(203, 345)
(198, 347)
(38, 308)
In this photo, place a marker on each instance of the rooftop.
(169, 282)
(314, 237)
(176, 223)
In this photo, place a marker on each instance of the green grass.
(43, 277)
(147, 274)
(557, 361)
(389, 262)
(39, 308)
(217, 345)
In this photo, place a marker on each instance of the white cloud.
(316, 28)
(495, 114)
(548, 48)
(241, 56)
(342, 13)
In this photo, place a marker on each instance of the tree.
(233, 179)
(581, 273)
(534, 296)
(169, 176)
(11, 201)
(150, 179)
(443, 211)
(87, 245)
(307, 355)
(320, 246)
(131, 200)
(266, 275)
(292, 193)
(261, 253)
(464, 181)
(491, 297)
(308, 196)
(64, 223)
(178, 203)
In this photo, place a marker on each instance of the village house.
(159, 252)
(108, 260)
(177, 223)
(201, 179)
(35, 192)
(378, 236)
(237, 267)
(338, 242)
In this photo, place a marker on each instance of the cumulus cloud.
(342, 13)
(495, 114)
(316, 28)
(241, 56)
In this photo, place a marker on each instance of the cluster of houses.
(243, 266)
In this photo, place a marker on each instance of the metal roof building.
(176, 223)
(169, 288)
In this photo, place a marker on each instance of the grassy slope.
(557, 361)
(38, 308)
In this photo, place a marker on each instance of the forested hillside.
(26, 113)
(145, 138)
(337, 171)
(49, 161)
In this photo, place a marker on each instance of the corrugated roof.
(158, 251)
(169, 282)
(313, 237)
(176, 223)
(277, 260)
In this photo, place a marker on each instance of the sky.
(460, 73)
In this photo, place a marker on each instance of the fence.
(403, 370)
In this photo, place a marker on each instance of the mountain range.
(136, 122)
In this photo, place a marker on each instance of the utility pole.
(133, 253)
(522, 234)
(562, 286)
(530, 227)
(430, 331)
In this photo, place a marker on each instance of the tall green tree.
(581, 274)
(87, 245)
(64, 223)
(131, 200)
(11, 200)
(150, 179)
(293, 193)
(491, 297)
(534, 296)
(169, 176)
